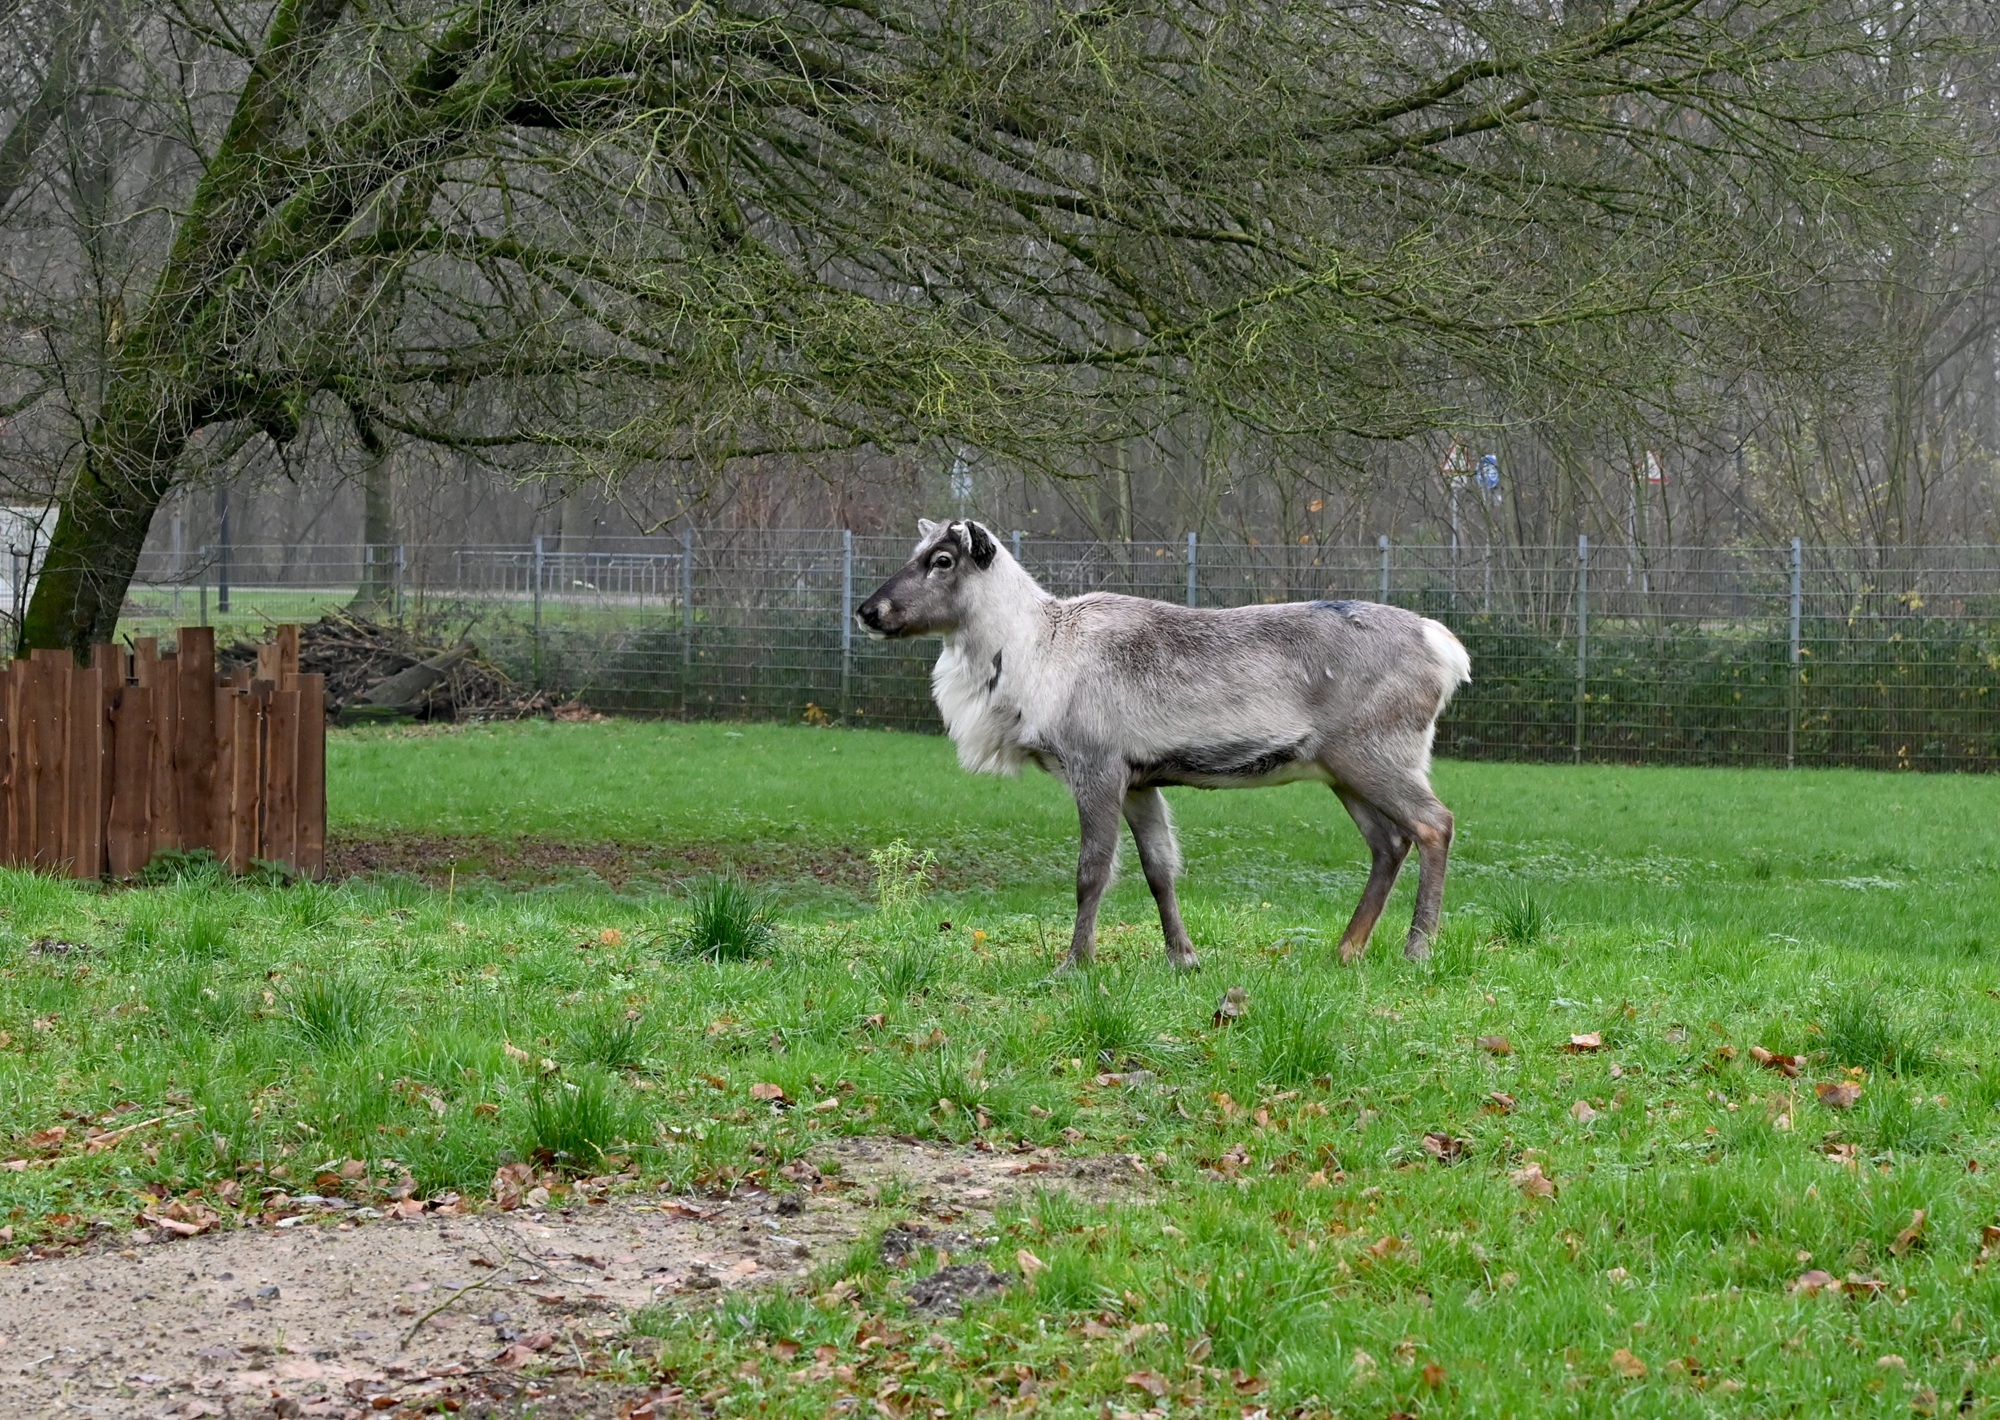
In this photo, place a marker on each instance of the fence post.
(401, 564)
(537, 573)
(204, 584)
(1193, 594)
(1017, 544)
(1792, 694)
(1582, 633)
(687, 618)
(1383, 543)
(846, 618)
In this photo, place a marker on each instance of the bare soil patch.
(492, 1310)
(527, 861)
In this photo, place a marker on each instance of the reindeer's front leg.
(1100, 794)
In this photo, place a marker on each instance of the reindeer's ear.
(979, 543)
(927, 529)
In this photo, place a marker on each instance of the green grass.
(1301, 1230)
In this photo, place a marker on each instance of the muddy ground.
(492, 1310)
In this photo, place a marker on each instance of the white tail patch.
(1451, 658)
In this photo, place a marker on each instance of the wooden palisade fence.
(104, 766)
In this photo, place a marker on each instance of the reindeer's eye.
(941, 562)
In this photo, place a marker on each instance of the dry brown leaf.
(515, 1053)
(1496, 1045)
(1786, 1065)
(1433, 1375)
(1811, 1284)
(764, 1090)
(1031, 1266)
(1582, 1112)
(1499, 1102)
(1386, 1246)
(1912, 1236)
(1837, 1096)
(1584, 1043)
(1628, 1365)
(611, 937)
(1151, 1382)
(1234, 1005)
(1445, 1148)
(512, 1183)
(1533, 1182)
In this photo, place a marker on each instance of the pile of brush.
(378, 671)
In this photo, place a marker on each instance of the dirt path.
(346, 1319)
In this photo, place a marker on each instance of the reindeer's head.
(926, 597)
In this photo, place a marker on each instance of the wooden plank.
(127, 837)
(9, 778)
(246, 763)
(286, 639)
(163, 816)
(109, 661)
(222, 781)
(267, 661)
(85, 756)
(312, 774)
(50, 689)
(145, 659)
(194, 738)
(280, 800)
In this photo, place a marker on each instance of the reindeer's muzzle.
(878, 616)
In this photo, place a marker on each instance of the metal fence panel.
(1745, 655)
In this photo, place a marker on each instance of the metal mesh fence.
(1824, 656)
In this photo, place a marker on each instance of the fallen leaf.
(1029, 1264)
(1433, 1375)
(1628, 1365)
(48, 1138)
(1910, 1237)
(1583, 1044)
(1725, 1053)
(1837, 1096)
(1386, 1246)
(515, 1053)
(1234, 1005)
(514, 1357)
(1786, 1065)
(1151, 1382)
(1581, 1112)
(611, 937)
(1445, 1148)
(1862, 1286)
(1499, 1102)
(767, 1091)
(1364, 1364)
(1892, 1362)
(1811, 1284)
(1496, 1045)
(1533, 1182)
(183, 1219)
(511, 1184)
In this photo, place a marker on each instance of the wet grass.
(1344, 1212)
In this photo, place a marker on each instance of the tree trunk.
(127, 471)
(377, 592)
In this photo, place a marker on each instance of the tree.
(579, 238)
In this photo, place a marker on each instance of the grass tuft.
(1522, 919)
(335, 1011)
(1864, 1027)
(727, 921)
(571, 1122)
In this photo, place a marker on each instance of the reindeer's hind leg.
(1387, 847)
(1160, 856)
(1098, 790)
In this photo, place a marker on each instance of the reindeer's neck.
(1005, 618)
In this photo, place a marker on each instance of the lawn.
(1548, 1172)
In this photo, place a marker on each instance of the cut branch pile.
(375, 670)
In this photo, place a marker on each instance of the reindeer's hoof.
(1352, 952)
(1184, 961)
(1072, 962)
(1417, 949)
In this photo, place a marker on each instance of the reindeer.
(1117, 696)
